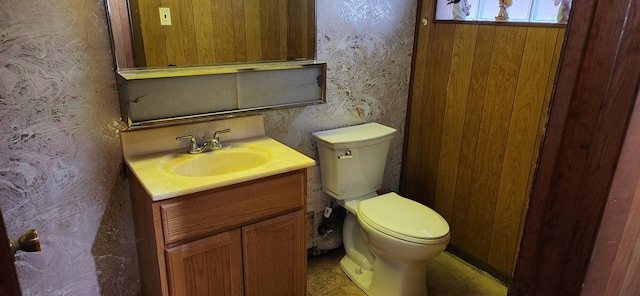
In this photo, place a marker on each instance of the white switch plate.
(165, 16)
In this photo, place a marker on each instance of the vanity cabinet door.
(275, 256)
(209, 266)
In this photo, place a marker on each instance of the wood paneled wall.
(478, 106)
(222, 31)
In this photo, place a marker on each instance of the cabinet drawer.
(218, 210)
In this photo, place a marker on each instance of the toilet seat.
(404, 219)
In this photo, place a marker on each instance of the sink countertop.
(161, 184)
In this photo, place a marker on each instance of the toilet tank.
(352, 159)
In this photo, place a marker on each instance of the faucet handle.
(194, 144)
(216, 134)
(216, 144)
(189, 137)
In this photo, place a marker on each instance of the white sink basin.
(218, 162)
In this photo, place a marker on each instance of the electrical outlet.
(327, 212)
(165, 16)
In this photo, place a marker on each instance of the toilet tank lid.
(404, 218)
(363, 133)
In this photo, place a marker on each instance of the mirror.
(189, 60)
(162, 33)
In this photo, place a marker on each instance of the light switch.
(165, 16)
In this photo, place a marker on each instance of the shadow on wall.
(114, 249)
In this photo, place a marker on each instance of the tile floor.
(447, 275)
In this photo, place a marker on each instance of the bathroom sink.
(171, 173)
(218, 162)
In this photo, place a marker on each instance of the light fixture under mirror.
(196, 59)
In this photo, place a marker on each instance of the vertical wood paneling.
(173, 34)
(523, 128)
(137, 42)
(479, 99)
(223, 35)
(189, 33)
(283, 28)
(301, 22)
(296, 26)
(309, 36)
(223, 31)
(298, 15)
(270, 38)
(471, 129)
(494, 127)
(152, 33)
(253, 28)
(457, 93)
(435, 94)
(204, 31)
(239, 32)
(544, 115)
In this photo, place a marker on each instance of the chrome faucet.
(211, 144)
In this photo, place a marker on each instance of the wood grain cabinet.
(243, 239)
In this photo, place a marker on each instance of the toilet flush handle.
(347, 154)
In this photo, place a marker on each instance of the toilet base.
(361, 277)
(388, 278)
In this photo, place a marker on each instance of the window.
(534, 11)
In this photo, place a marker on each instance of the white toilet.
(388, 246)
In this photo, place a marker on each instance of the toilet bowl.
(388, 244)
(388, 239)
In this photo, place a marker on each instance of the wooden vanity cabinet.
(243, 239)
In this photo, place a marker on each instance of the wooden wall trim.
(613, 254)
(596, 88)
(9, 284)
(420, 43)
(118, 19)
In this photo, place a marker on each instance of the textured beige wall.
(59, 154)
(60, 159)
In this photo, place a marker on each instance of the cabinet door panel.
(275, 256)
(210, 266)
